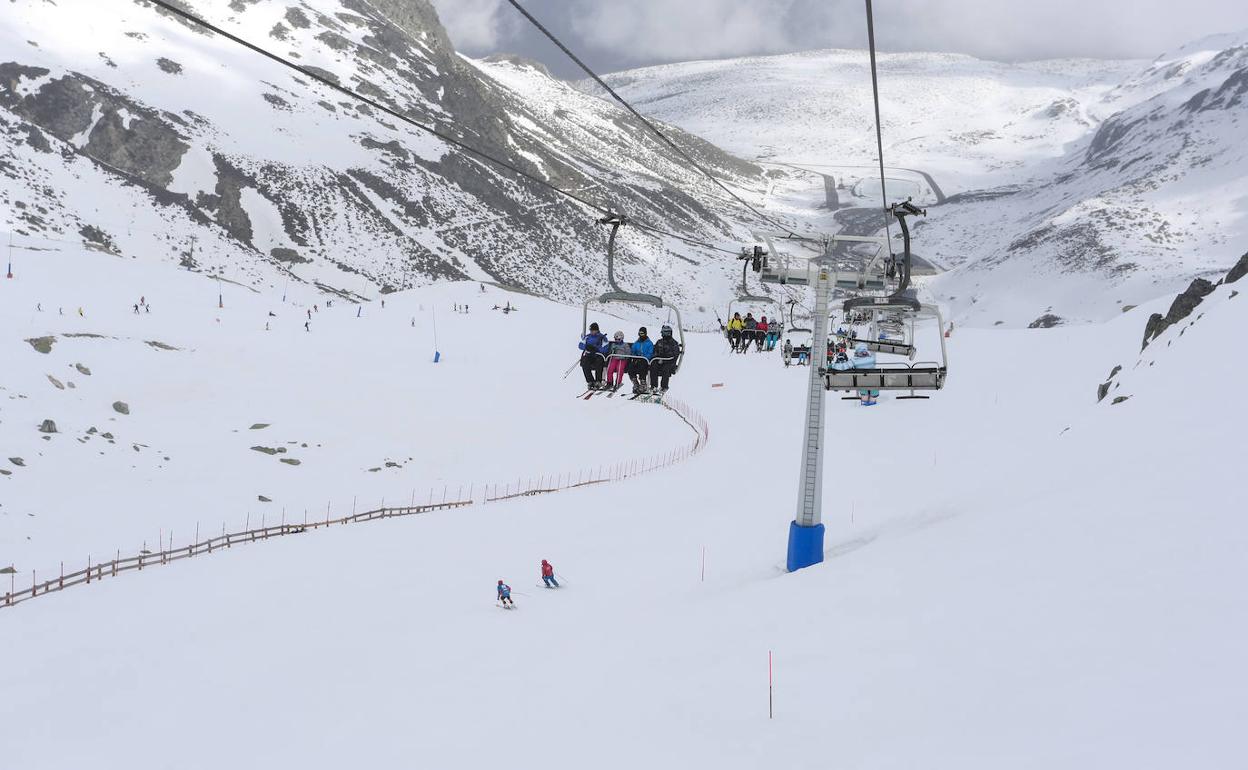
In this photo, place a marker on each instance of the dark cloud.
(619, 34)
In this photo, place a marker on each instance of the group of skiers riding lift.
(641, 359)
(744, 331)
(548, 581)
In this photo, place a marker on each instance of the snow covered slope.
(1065, 189)
(967, 121)
(1016, 574)
(124, 128)
(225, 399)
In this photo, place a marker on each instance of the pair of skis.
(587, 395)
(649, 397)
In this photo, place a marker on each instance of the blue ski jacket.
(594, 342)
(644, 348)
(504, 592)
(863, 358)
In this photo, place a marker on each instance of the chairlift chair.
(901, 298)
(920, 376)
(623, 297)
(758, 257)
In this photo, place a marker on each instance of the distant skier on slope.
(548, 575)
(504, 594)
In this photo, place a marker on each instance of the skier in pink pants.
(617, 366)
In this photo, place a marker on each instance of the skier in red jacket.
(548, 575)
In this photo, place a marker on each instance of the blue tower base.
(805, 546)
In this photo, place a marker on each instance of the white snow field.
(1015, 575)
(1073, 187)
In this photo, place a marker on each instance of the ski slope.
(1016, 576)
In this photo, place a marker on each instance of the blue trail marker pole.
(437, 356)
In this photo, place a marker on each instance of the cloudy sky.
(618, 34)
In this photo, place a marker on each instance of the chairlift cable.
(464, 146)
(650, 125)
(879, 131)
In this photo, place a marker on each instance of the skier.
(309, 315)
(548, 575)
(666, 351)
(593, 356)
(763, 334)
(504, 594)
(749, 333)
(136, 308)
(862, 360)
(639, 364)
(735, 325)
(617, 360)
(307, 326)
(787, 352)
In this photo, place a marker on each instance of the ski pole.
(570, 368)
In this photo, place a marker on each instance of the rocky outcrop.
(1046, 321)
(121, 407)
(42, 344)
(1238, 271)
(102, 123)
(1181, 308)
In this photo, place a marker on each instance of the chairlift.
(879, 324)
(902, 297)
(923, 375)
(620, 296)
(756, 258)
(793, 328)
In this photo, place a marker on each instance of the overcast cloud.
(618, 34)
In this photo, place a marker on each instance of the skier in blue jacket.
(639, 367)
(504, 594)
(593, 356)
(865, 359)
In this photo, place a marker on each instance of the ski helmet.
(666, 331)
(641, 332)
(593, 327)
(619, 336)
(500, 582)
